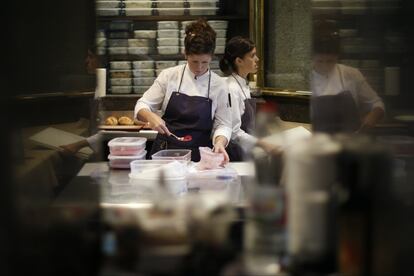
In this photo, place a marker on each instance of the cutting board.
(53, 138)
(121, 127)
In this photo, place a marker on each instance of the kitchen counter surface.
(96, 183)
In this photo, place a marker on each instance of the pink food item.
(187, 138)
(121, 146)
(209, 159)
(123, 161)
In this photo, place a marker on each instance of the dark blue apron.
(187, 115)
(335, 113)
(234, 150)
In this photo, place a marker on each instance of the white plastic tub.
(141, 42)
(168, 50)
(123, 162)
(138, 50)
(120, 73)
(219, 50)
(143, 64)
(167, 25)
(167, 33)
(140, 89)
(203, 4)
(203, 11)
(145, 34)
(118, 42)
(144, 81)
(168, 41)
(181, 155)
(218, 24)
(163, 64)
(121, 81)
(118, 50)
(220, 42)
(137, 12)
(121, 89)
(120, 65)
(143, 72)
(131, 146)
(221, 33)
(138, 4)
(107, 4)
(170, 4)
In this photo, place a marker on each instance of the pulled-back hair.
(237, 47)
(200, 38)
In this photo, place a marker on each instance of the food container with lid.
(167, 33)
(218, 24)
(209, 159)
(138, 50)
(168, 50)
(220, 42)
(118, 50)
(203, 4)
(127, 145)
(120, 81)
(219, 50)
(118, 42)
(182, 155)
(168, 41)
(138, 4)
(140, 89)
(108, 4)
(120, 73)
(141, 42)
(143, 72)
(203, 11)
(218, 180)
(167, 25)
(170, 4)
(120, 65)
(145, 34)
(121, 89)
(163, 64)
(137, 12)
(118, 34)
(123, 161)
(144, 81)
(143, 64)
(107, 12)
(221, 33)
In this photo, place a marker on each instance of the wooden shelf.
(172, 17)
(148, 57)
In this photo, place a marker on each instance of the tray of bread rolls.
(122, 123)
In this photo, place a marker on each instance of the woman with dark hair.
(342, 100)
(238, 62)
(192, 99)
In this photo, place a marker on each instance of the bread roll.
(124, 120)
(111, 121)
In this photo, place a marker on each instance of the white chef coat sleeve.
(222, 116)
(154, 96)
(367, 96)
(94, 141)
(239, 136)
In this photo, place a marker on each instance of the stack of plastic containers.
(164, 64)
(168, 42)
(182, 155)
(220, 26)
(124, 150)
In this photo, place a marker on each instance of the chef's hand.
(154, 121)
(371, 119)
(220, 147)
(269, 148)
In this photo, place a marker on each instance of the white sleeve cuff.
(223, 131)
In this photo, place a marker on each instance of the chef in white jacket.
(342, 100)
(193, 100)
(238, 61)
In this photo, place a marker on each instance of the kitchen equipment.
(182, 155)
(127, 145)
(209, 159)
(123, 161)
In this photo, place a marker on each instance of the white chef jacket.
(364, 96)
(239, 136)
(158, 95)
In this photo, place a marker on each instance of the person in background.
(192, 99)
(342, 100)
(238, 62)
(92, 62)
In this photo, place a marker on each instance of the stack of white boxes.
(168, 42)
(121, 77)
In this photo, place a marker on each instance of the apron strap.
(209, 82)
(341, 78)
(239, 86)
(181, 80)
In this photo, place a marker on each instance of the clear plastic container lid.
(127, 157)
(127, 141)
(151, 169)
(173, 154)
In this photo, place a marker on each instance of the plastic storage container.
(123, 162)
(137, 12)
(143, 64)
(182, 155)
(170, 4)
(107, 12)
(121, 89)
(209, 159)
(117, 42)
(120, 65)
(171, 41)
(121, 73)
(221, 33)
(143, 72)
(145, 34)
(167, 33)
(108, 4)
(127, 146)
(138, 4)
(168, 50)
(167, 24)
(139, 50)
(218, 24)
(120, 81)
(141, 42)
(163, 64)
(144, 81)
(203, 11)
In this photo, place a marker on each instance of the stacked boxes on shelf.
(121, 77)
(168, 38)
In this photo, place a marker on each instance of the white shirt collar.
(241, 80)
(193, 76)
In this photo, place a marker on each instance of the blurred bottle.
(265, 226)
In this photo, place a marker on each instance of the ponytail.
(237, 47)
